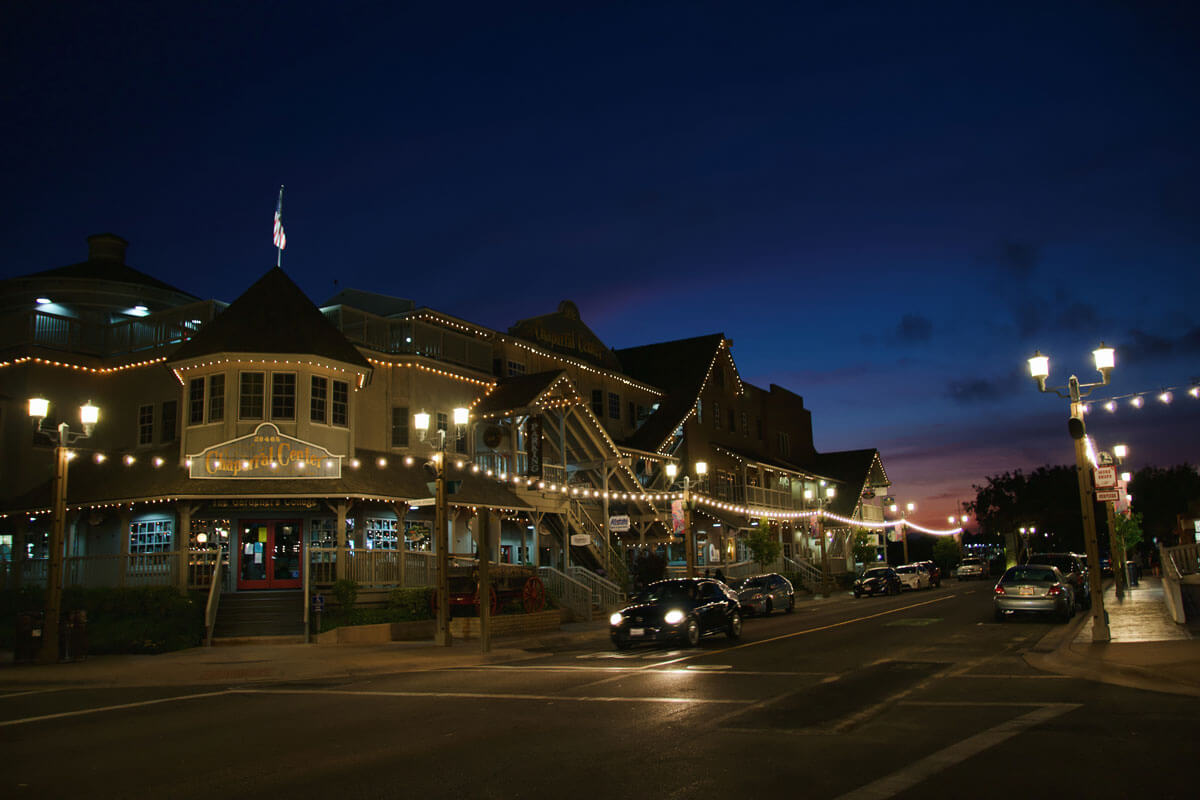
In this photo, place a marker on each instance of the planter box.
(382, 632)
(506, 624)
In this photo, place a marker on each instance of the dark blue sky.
(886, 206)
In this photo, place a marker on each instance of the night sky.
(887, 206)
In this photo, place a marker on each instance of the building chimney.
(106, 247)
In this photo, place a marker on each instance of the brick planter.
(506, 624)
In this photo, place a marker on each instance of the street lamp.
(441, 535)
(822, 499)
(1116, 551)
(1039, 369)
(63, 437)
(1027, 533)
(903, 527)
(689, 542)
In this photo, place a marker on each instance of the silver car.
(1036, 589)
(762, 594)
(972, 568)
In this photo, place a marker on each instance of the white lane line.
(990, 676)
(691, 669)
(32, 691)
(500, 696)
(63, 714)
(910, 776)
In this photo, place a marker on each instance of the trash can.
(1131, 570)
(28, 641)
(72, 636)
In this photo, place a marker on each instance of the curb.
(1052, 653)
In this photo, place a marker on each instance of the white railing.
(1186, 558)
(568, 592)
(214, 600)
(606, 595)
(810, 576)
(1172, 593)
(372, 568)
(140, 569)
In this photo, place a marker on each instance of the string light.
(49, 362)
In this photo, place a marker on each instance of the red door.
(269, 554)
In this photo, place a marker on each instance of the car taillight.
(1055, 591)
(999, 589)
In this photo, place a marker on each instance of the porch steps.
(259, 615)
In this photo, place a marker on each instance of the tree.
(945, 553)
(864, 551)
(1047, 499)
(1129, 531)
(1160, 495)
(763, 546)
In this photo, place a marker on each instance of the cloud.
(1018, 259)
(914, 328)
(1145, 347)
(976, 391)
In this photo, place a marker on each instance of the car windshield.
(878, 572)
(1064, 563)
(1029, 575)
(671, 590)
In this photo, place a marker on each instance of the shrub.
(345, 591)
(410, 603)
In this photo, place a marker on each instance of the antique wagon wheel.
(492, 605)
(533, 595)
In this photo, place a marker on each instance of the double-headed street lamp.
(441, 535)
(63, 437)
(1027, 533)
(1039, 369)
(689, 541)
(822, 498)
(908, 509)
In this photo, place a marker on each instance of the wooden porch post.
(183, 538)
(19, 550)
(123, 516)
(401, 511)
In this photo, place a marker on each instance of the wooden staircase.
(245, 615)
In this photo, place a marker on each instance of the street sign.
(1108, 495)
(618, 523)
(1106, 477)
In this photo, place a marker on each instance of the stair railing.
(568, 592)
(606, 595)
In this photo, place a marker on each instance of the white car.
(913, 577)
(972, 568)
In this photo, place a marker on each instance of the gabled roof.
(564, 332)
(272, 316)
(857, 469)
(520, 391)
(679, 367)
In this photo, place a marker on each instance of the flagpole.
(279, 249)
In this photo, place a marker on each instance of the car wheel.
(895, 589)
(999, 615)
(622, 642)
(767, 608)
(734, 627)
(691, 633)
(857, 594)
(1064, 616)
(791, 606)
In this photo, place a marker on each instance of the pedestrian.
(720, 575)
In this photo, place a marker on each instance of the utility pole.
(1100, 632)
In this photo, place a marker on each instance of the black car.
(878, 580)
(683, 609)
(1074, 569)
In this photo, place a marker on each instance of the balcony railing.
(127, 337)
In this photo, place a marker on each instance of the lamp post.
(1039, 369)
(441, 533)
(689, 541)
(1027, 533)
(63, 437)
(822, 499)
(908, 509)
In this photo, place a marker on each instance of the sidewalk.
(1146, 651)
(251, 663)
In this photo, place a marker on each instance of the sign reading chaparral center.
(266, 453)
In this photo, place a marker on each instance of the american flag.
(279, 238)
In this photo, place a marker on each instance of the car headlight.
(673, 617)
(616, 618)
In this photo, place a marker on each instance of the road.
(921, 695)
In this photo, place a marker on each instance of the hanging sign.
(533, 445)
(580, 539)
(266, 453)
(677, 516)
(1108, 495)
(1106, 477)
(618, 523)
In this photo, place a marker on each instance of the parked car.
(935, 572)
(1033, 588)
(1073, 566)
(762, 594)
(972, 568)
(912, 576)
(683, 609)
(878, 580)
